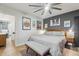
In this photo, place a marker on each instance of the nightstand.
(70, 36)
(70, 39)
(70, 43)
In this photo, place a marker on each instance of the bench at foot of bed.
(38, 48)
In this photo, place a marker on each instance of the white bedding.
(53, 42)
(47, 39)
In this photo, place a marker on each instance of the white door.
(11, 27)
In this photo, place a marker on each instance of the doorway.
(7, 23)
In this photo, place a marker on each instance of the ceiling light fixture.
(47, 7)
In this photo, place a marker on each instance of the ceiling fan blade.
(42, 13)
(50, 12)
(37, 10)
(35, 5)
(53, 4)
(56, 8)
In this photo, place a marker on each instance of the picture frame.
(39, 24)
(46, 26)
(26, 23)
(67, 23)
(55, 22)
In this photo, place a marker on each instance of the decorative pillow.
(48, 33)
(61, 33)
(55, 33)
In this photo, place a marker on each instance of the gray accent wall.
(66, 16)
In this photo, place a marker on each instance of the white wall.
(21, 35)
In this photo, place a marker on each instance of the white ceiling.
(66, 7)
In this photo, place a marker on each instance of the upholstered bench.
(37, 47)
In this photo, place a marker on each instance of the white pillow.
(56, 33)
(49, 33)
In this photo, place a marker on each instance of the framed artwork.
(51, 22)
(39, 24)
(26, 23)
(55, 22)
(67, 23)
(46, 26)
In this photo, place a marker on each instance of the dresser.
(2, 39)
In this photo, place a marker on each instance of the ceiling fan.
(46, 7)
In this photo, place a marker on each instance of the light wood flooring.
(11, 50)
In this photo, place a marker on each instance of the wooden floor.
(68, 52)
(11, 50)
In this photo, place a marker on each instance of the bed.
(55, 40)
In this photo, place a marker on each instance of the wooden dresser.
(2, 39)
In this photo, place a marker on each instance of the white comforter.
(53, 42)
